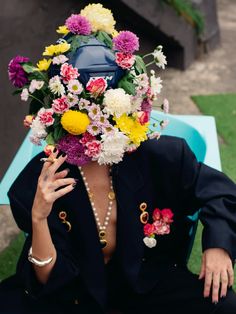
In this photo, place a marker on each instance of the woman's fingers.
(224, 283)
(62, 174)
(61, 182)
(63, 191)
(207, 283)
(215, 287)
(230, 275)
(47, 164)
(58, 162)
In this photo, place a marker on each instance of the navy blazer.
(163, 174)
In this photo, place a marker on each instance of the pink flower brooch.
(162, 220)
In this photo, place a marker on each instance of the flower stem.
(30, 95)
(150, 63)
(147, 55)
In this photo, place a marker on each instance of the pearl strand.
(108, 214)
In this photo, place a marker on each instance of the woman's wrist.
(37, 219)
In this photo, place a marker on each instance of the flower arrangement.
(90, 120)
(162, 219)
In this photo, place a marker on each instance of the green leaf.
(58, 133)
(50, 139)
(140, 65)
(17, 91)
(29, 68)
(35, 105)
(127, 85)
(104, 38)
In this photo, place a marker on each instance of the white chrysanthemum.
(150, 242)
(156, 86)
(38, 129)
(24, 94)
(136, 103)
(117, 102)
(159, 57)
(55, 86)
(100, 18)
(113, 147)
(34, 84)
(59, 59)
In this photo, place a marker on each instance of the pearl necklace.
(111, 197)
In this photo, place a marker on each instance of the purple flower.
(78, 24)
(126, 42)
(16, 73)
(70, 145)
(146, 105)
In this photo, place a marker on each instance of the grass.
(9, 256)
(223, 107)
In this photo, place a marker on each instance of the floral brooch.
(162, 220)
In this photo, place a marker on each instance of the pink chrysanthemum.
(78, 24)
(126, 42)
(70, 144)
(16, 73)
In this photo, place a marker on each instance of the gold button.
(76, 301)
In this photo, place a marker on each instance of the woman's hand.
(48, 181)
(218, 272)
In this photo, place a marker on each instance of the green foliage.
(223, 108)
(104, 38)
(127, 84)
(139, 65)
(75, 42)
(9, 256)
(186, 9)
(36, 103)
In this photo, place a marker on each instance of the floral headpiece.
(90, 113)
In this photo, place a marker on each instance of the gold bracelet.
(36, 261)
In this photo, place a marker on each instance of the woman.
(106, 215)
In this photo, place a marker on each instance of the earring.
(145, 215)
(62, 216)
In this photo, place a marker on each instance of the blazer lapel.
(130, 193)
(85, 238)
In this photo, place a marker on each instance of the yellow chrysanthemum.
(62, 30)
(56, 49)
(100, 18)
(75, 122)
(138, 133)
(132, 128)
(44, 64)
(114, 33)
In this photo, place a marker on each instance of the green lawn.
(223, 107)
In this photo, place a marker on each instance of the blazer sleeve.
(215, 194)
(65, 270)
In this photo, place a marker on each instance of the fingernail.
(54, 150)
(215, 302)
(76, 180)
(68, 170)
(63, 154)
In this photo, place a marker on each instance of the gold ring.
(50, 159)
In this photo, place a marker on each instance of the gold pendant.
(103, 241)
(111, 195)
(62, 216)
(145, 215)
